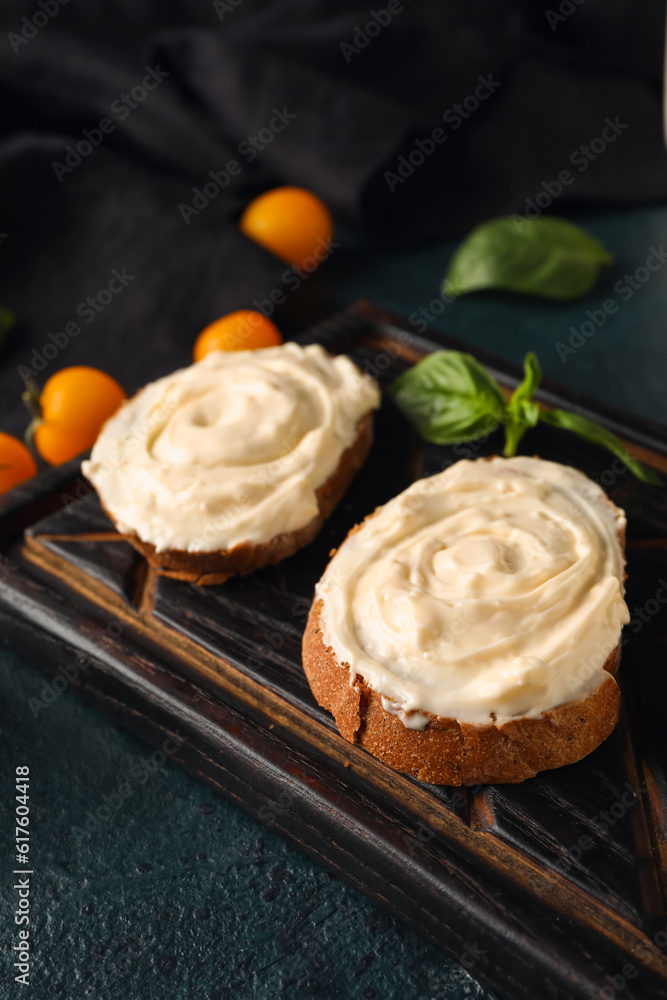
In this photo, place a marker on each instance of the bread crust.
(448, 752)
(206, 568)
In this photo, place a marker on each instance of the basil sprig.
(521, 412)
(601, 436)
(450, 398)
(547, 256)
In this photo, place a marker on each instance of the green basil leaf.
(530, 412)
(547, 256)
(522, 413)
(532, 376)
(601, 436)
(449, 397)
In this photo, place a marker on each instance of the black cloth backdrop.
(357, 110)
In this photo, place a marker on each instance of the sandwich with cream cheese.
(234, 462)
(469, 630)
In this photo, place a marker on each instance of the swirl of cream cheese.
(231, 449)
(490, 591)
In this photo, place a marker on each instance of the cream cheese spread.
(490, 591)
(231, 449)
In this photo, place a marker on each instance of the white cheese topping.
(231, 449)
(490, 591)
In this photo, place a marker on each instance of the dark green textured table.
(170, 892)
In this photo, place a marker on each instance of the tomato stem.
(30, 397)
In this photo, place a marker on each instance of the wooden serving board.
(554, 888)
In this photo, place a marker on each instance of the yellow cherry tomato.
(75, 402)
(292, 223)
(16, 462)
(244, 330)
